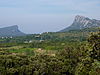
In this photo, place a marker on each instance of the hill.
(11, 31)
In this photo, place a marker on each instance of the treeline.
(83, 59)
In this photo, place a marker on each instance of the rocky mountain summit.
(11, 31)
(81, 22)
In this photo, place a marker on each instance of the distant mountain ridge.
(81, 22)
(11, 31)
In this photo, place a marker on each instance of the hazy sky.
(36, 16)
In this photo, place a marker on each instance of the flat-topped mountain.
(11, 31)
(81, 22)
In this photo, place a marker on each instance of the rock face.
(81, 22)
(11, 31)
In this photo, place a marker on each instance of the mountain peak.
(10, 31)
(81, 22)
(79, 18)
(15, 27)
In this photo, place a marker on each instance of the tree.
(94, 41)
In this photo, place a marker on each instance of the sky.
(37, 16)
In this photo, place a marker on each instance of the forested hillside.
(70, 53)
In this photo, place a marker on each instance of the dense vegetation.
(51, 55)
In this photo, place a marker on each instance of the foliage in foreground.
(81, 60)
